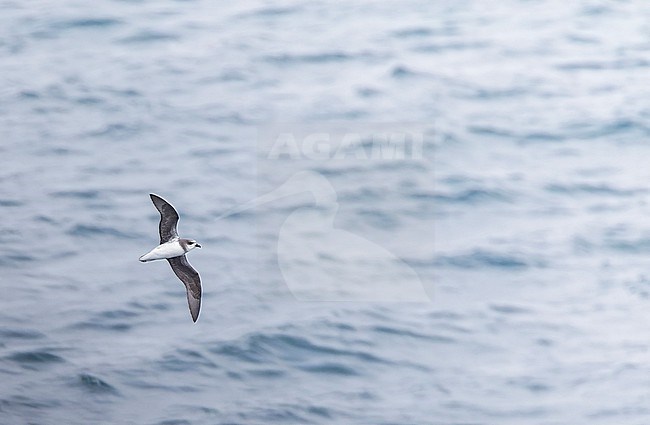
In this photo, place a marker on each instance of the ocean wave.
(626, 63)
(522, 137)
(35, 358)
(316, 58)
(413, 32)
(93, 384)
(330, 369)
(150, 36)
(182, 360)
(20, 402)
(92, 230)
(10, 203)
(86, 23)
(109, 320)
(96, 324)
(15, 259)
(509, 309)
(482, 258)
(14, 333)
(467, 196)
(269, 11)
(260, 348)
(391, 330)
(592, 189)
(80, 194)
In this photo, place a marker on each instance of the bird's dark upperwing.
(168, 218)
(192, 281)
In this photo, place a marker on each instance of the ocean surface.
(499, 273)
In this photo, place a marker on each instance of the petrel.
(173, 249)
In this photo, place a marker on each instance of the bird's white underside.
(169, 249)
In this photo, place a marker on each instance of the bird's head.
(190, 244)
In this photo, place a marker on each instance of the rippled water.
(526, 217)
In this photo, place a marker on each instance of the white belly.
(167, 250)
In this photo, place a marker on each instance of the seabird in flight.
(173, 249)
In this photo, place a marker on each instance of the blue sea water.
(526, 218)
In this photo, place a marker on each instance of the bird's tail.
(146, 257)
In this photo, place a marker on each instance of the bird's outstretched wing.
(190, 277)
(168, 218)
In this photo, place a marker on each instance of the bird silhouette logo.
(321, 262)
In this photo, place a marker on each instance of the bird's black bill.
(198, 246)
